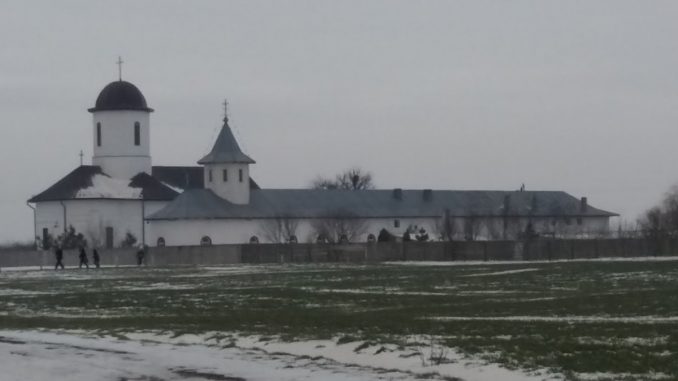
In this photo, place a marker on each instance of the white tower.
(121, 131)
(226, 168)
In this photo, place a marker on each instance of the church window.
(205, 241)
(161, 242)
(209, 175)
(98, 134)
(225, 174)
(137, 134)
(240, 175)
(396, 223)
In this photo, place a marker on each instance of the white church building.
(122, 193)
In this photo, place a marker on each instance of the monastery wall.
(92, 217)
(545, 249)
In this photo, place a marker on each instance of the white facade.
(230, 181)
(119, 150)
(94, 217)
(238, 231)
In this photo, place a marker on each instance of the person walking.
(83, 258)
(59, 254)
(95, 257)
(140, 254)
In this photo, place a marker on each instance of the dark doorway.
(45, 239)
(109, 237)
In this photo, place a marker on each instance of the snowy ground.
(580, 320)
(40, 355)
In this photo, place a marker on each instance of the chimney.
(398, 194)
(427, 195)
(583, 205)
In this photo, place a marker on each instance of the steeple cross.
(81, 155)
(226, 110)
(120, 62)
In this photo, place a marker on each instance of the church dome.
(120, 95)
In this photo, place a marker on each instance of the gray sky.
(578, 96)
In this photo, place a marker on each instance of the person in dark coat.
(140, 255)
(95, 257)
(59, 254)
(83, 258)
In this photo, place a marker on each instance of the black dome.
(120, 95)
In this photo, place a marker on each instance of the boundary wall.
(545, 249)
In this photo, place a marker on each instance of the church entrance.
(109, 237)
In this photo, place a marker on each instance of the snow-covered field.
(582, 320)
(41, 355)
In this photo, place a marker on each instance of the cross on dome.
(120, 62)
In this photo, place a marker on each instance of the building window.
(98, 134)
(240, 175)
(254, 239)
(137, 134)
(225, 175)
(161, 242)
(293, 239)
(205, 241)
(209, 175)
(371, 238)
(396, 223)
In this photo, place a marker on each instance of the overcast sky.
(580, 96)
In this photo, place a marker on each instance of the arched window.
(371, 238)
(205, 241)
(161, 242)
(98, 134)
(293, 239)
(137, 134)
(240, 177)
(254, 239)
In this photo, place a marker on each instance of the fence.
(551, 249)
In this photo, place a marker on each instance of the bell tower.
(121, 130)
(226, 167)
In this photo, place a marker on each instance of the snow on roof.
(107, 187)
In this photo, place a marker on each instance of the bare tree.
(493, 227)
(351, 179)
(338, 225)
(472, 225)
(279, 229)
(445, 227)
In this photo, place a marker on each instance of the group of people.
(84, 261)
(82, 255)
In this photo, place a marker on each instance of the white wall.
(118, 156)
(235, 231)
(91, 217)
(233, 190)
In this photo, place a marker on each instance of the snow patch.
(566, 319)
(108, 187)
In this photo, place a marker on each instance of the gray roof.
(226, 149)
(312, 203)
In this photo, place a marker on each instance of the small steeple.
(226, 148)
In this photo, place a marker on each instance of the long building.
(123, 194)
